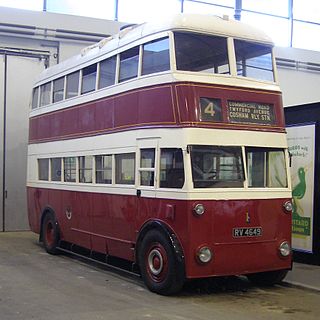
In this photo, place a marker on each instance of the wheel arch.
(164, 228)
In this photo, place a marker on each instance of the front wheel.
(50, 233)
(159, 266)
(269, 278)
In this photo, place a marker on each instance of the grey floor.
(35, 285)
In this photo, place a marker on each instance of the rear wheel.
(159, 266)
(267, 278)
(50, 233)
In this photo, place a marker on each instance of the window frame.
(229, 59)
(87, 77)
(40, 168)
(63, 89)
(142, 52)
(165, 170)
(78, 85)
(104, 169)
(147, 169)
(52, 179)
(48, 95)
(126, 60)
(35, 101)
(115, 58)
(118, 168)
(73, 171)
(82, 170)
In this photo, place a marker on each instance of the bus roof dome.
(204, 23)
(209, 24)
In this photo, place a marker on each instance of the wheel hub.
(155, 262)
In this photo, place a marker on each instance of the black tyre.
(159, 266)
(50, 233)
(269, 278)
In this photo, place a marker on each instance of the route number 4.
(209, 109)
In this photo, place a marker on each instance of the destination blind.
(250, 112)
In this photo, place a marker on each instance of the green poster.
(301, 142)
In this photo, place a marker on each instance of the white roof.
(184, 22)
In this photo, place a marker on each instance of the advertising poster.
(301, 141)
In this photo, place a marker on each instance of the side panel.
(138, 108)
(101, 222)
(113, 218)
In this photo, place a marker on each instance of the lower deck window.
(85, 169)
(125, 168)
(43, 169)
(146, 170)
(104, 169)
(70, 169)
(217, 167)
(56, 169)
(171, 168)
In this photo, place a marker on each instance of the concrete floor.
(35, 285)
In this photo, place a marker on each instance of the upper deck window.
(72, 84)
(89, 79)
(58, 89)
(35, 96)
(156, 56)
(201, 53)
(129, 61)
(45, 94)
(254, 60)
(107, 72)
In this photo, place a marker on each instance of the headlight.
(285, 249)
(198, 209)
(204, 255)
(287, 206)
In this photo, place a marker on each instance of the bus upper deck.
(221, 68)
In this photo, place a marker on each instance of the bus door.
(146, 179)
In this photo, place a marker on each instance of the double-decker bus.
(164, 146)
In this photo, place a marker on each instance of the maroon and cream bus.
(165, 146)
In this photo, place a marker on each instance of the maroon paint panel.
(244, 254)
(165, 106)
(111, 223)
(138, 108)
(189, 94)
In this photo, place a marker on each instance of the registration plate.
(247, 232)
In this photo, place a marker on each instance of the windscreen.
(266, 168)
(216, 166)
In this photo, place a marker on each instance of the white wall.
(299, 85)
(68, 33)
(30, 41)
